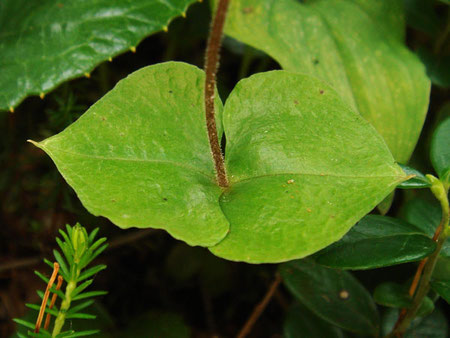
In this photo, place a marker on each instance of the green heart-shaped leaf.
(55, 41)
(140, 156)
(354, 45)
(377, 241)
(303, 166)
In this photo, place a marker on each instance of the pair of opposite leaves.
(303, 166)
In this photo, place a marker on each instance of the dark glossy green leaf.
(140, 156)
(418, 181)
(442, 288)
(377, 241)
(57, 41)
(432, 326)
(440, 151)
(333, 295)
(302, 323)
(426, 216)
(354, 45)
(395, 295)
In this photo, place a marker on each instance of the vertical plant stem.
(441, 234)
(65, 305)
(259, 308)
(211, 65)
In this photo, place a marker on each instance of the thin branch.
(212, 57)
(407, 315)
(259, 308)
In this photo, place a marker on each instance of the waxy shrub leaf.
(300, 322)
(333, 295)
(377, 241)
(54, 41)
(354, 45)
(303, 167)
(440, 151)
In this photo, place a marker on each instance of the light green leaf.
(333, 295)
(303, 166)
(377, 241)
(56, 41)
(140, 156)
(440, 151)
(354, 45)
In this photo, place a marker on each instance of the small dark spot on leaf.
(295, 102)
(247, 10)
(113, 200)
(164, 199)
(321, 91)
(103, 118)
(315, 61)
(170, 91)
(60, 5)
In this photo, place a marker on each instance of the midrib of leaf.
(98, 157)
(125, 159)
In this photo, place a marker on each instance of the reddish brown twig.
(45, 298)
(259, 308)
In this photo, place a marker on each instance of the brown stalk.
(212, 57)
(52, 302)
(45, 298)
(259, 308)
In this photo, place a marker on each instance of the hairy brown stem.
(259, 308)
(211, 65)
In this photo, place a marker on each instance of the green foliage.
(356, 46)
(417, 182)
(333, 295)
(57, 41)
(79, 249)
(440, 151)
(431, 326)
(145, 162)
(377, 241)
(395, 295)
(300, 322)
